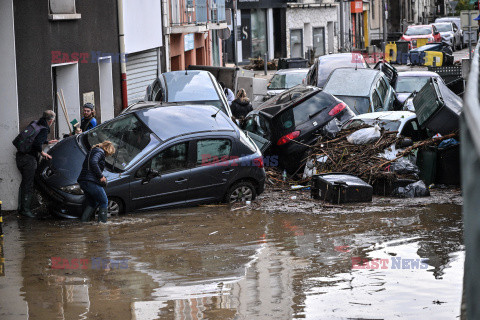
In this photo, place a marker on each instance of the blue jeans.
(95, 194)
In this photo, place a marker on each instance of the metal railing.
(189, 12)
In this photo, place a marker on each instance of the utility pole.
(342, 27)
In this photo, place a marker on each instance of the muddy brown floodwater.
(279, 258)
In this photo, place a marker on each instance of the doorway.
(65, 79)
(106, 89)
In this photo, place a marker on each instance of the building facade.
(51, 47)
(312, 25)
(193, 32)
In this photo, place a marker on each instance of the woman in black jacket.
(241, 106)
(92, 181)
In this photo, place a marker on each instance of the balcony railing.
(195, 12)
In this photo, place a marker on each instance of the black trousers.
(27, 164)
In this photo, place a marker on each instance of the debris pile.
(364, 160)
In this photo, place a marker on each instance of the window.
(258, 125)
(212, 150)
(382, 88)
(377, 102)
(305, 110)
(296, 43)
(130, 136)
(319, 41)
(63, 10)
(173, 158)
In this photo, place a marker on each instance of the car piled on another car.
(293, 119)
(363, 90)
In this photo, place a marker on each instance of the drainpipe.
(123, 63)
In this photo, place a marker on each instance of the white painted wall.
(106, 89)
(142, 24)
(9, 174)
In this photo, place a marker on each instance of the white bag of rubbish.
(365, 136)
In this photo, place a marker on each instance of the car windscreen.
(326, 67)
(410, 84)
(305, 110)
(286, 81)
(193, 86)
(132, 139)
(418, 31)
(387, 125)
(443, 27)
(359, 105)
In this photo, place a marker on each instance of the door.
(162, 180)
(106, 89)
(213, 169)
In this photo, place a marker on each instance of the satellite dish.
(224, 34)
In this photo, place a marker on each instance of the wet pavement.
(269, 260)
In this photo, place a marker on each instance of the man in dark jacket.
(27, 163)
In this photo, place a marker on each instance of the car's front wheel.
(115, 206)
(241, 192)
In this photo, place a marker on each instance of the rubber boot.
(26, 201)
(102, 215)
(87, 214)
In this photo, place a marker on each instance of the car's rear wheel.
(241, 192)
(115, 207)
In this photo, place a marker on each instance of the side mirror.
(405, 143)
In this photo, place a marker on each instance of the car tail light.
(258, 162)
(288, 137)
(339, 107)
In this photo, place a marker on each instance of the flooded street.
(384, 260)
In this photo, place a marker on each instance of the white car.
(450, 33)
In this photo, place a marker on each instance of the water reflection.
(210, 263)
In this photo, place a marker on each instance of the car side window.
(173, 158)
(213, 150)
(382, 89)
(377, 102)
(258, 125)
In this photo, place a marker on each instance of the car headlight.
(73, 189)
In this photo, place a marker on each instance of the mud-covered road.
(278, 258)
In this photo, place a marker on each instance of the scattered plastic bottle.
(284, 175)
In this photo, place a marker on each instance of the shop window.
(62, 10)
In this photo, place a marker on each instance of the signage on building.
(356, 6)
(188, 41)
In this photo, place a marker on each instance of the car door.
(163, 179)
(213, 169)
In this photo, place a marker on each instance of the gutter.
(123, 62)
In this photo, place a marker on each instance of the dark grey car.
(166, 156)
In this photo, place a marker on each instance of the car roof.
(401, 116)
(442, 22)
(417, 74)
(178, 120)
(337, 56)
(298, 92)
(343, 80)
(294, 70)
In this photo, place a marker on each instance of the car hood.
(417, 37)
(402, 96)
(65, 165)
(447, 33)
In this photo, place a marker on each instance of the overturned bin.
(340, 188)
(438, 108)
